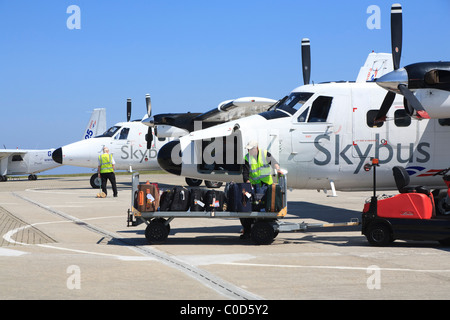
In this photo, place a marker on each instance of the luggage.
(240, 196)
(197, 200)
(273, 198)
(180, 200)
(147, 197)
(166, 200)
(215, 200)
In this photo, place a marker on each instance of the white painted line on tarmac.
(331, 267)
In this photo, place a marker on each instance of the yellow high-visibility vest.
(260, 170)
(105, 163)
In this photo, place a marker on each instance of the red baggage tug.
(409, 215)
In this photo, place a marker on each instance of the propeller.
(128, 110)
(397, 81)
(306, 60)
(149, 136)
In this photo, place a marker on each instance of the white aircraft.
(323, 134)
(133, 144)
(23, 161)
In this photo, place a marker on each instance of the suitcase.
(166, 200)
(240, 197)
(148, 197)
(215, 200)
(273, 198)
(197, 199)
(180, 200)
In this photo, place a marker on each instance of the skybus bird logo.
(415, 170)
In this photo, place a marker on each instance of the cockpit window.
(294, 102)
(110, 132)
(123, 135)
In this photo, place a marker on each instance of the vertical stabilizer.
(96, 124)
(376, 65)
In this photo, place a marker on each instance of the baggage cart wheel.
(379, 234)
(156, 232)
(262, 233)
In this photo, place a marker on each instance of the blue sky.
(189, 55)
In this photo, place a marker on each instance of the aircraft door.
(119, 142)
(309, 125)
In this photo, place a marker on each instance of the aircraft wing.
(5, 153)
(234, 109)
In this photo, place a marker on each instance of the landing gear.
(196, 182)
(95, 181)
(32, 177)
(3, 178)
(193, 182)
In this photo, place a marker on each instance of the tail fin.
(376, 65)
(96, 124)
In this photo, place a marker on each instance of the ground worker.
(257, 171)
(106, 170)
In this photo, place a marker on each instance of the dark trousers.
(112, 178)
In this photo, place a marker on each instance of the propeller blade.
(128, 109)
(149, 138)
(149, 104)
(396, 34)
(306, 60)
(413, 102)
(385, 106)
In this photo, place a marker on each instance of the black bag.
(180, 201)
(274, 198)
(240, 196)
(215, 200)
(166, 200)
(197, 200)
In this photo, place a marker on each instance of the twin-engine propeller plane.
(30, 161)
(323, 134)
(135, 144)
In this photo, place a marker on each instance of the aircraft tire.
(95, 181)
(193, 182)
(213, 184)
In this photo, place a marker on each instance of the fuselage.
(326, 136)
(126, 142)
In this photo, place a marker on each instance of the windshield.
(293, 102)
(110, 132)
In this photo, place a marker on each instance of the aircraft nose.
(57, 156)
(169, 157)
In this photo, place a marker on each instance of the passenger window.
(370, 117)
(320, 108)
(302, 117)
(401, 119)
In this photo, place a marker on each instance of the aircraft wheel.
(262, 233)
(156, 232)
(213, 184)
(95, 181)
(3, 178)
(193, 182)
(379, 234)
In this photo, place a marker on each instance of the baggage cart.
(265, 228)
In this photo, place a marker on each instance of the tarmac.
(58, 241)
